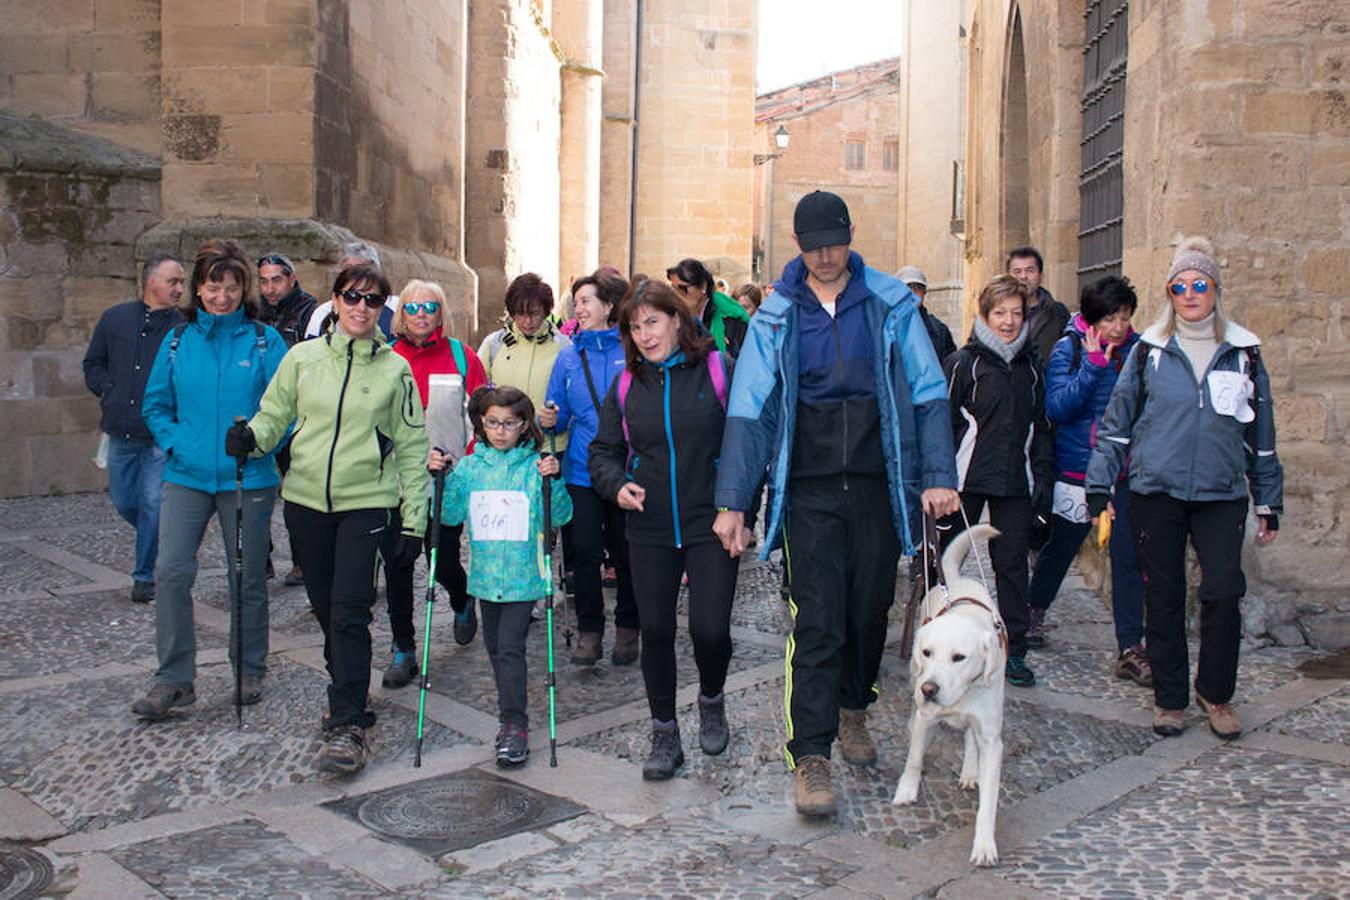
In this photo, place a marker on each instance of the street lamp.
(781, 138)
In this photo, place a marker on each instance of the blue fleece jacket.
(578, 413)
(1076, 395)
(218, 371)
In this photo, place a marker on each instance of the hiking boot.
(402, 668)
(537, 611)
(1133, 664)
(627, 646)
(156, 704)
(1019, 674)
(569, 584)
(1168, 722)
(588, 650)
(1036, 628)
(466, 623)
(854, 739)
(294, 578)
(667, 753)
(1223, 721)
(142, 591)
(344, 750)
(814, 792)
(250, 689)
(713, 732)
(513, 746)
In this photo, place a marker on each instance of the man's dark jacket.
(1045, 323)
(118, 362)
(290, 316)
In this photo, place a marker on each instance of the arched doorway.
(1015, 170)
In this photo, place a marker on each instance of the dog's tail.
(957, 550)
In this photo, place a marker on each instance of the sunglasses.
(351, 297)
(1178, 288)
(427, 306)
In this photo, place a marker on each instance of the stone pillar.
(616, 136)
(577, 27)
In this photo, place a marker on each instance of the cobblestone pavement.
(94, 803)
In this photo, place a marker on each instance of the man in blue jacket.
(116, 367)
(839, 389)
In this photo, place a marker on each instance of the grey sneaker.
(667, 753)
(344, 750)
(713, 732)
(250, 689)
(402, 668)
(142, 591)
(513, 746)
(162, 698)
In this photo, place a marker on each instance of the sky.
(801, 40)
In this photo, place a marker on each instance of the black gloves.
(1097, 504)
(1272, 521)
(239, 441)
(406, 551)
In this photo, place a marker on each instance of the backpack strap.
(590, 383)
(1139, 375)
(1077, 351)
(625, 382)
(457, 351)
(175, 340)
(718, 373)
(260, 337)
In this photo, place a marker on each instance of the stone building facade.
(844, 137)
(468, 140)
(1103, 130)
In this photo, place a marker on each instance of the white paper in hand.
(1070, 502)
(447, 424)
(499, 515)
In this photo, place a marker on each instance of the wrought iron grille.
(1101, 184)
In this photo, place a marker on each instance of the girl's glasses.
(508, 425)
(427, 306)
(1178, 288)
(351, 297)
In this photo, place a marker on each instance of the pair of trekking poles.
(547, 491)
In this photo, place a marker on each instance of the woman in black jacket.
(1004, 448)
(656, 455)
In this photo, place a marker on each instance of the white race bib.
(1070, 502)
(1229, 393)
(499, 515)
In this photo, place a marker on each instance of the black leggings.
(337, 556)
(399, 582)
(712, 587)
(1008, 555)
(596, 526)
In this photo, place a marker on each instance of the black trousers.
(1161, 526)
(841, 553)
(597, 526)
(1012, 517)
(505, 627)
(399, 589)
(337, 556)
(712, 587)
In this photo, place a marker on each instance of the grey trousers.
(182, 523)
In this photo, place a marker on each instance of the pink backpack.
(716, 373)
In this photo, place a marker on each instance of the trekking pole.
(239, 585)
(567, 606)
(437, 497)
(548, 607)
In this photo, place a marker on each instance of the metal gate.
(1101, 184)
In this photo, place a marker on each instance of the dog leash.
(974, 548)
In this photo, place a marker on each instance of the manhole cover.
(1327, 668)
(23, 873)
(452, 812)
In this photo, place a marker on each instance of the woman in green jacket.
(358, 453)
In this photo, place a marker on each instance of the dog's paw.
(984, 852)
(906, 792)
(970, 780)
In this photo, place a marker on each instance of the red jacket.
(436, 358)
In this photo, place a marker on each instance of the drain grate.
(455, 811)
(23, 873)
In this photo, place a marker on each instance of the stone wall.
(1237, 126)
(71, 207)
(93, 66)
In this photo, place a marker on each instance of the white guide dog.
(957, 672)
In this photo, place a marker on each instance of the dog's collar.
(994, 617)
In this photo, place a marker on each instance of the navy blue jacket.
(883, 357)
(118, 362)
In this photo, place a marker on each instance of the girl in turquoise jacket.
(498, 493)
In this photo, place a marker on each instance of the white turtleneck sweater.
(1197, 341)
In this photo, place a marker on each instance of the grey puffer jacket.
(1178, 443)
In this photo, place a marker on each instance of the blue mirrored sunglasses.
(429, 306)
(1178, 288)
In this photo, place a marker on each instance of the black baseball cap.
(821, 220)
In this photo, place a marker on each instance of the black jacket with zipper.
(1004, 443)
(675, 422)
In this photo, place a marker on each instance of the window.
(890, 156)
(855, 155)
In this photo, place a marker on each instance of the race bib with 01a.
(499, 515)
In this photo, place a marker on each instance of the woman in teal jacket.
(498, 494)
(208, 371)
